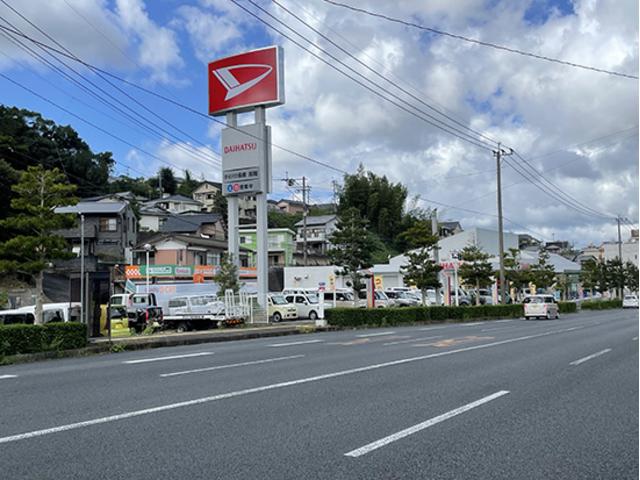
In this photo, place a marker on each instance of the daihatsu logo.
(231, 83)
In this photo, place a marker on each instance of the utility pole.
(160, 182)
(621, 292)
(292, 182)
(435, 231)
(499, 153)
(305, 213)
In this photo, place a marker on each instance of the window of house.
(108, 224)
(243, 239)
(213, 259)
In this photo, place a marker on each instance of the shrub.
(601, 304)
(356, 317)
(15, 339)
(567, 307)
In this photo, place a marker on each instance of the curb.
(143, 343)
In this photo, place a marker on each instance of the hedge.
(15, 339)
(567, 307)
(601, 304)
(356, 317)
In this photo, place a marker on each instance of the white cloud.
(535, 106)
(157, 46)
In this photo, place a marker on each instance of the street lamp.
(147, 248)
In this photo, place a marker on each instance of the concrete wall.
(310, 277)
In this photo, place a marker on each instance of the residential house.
(152, 218)
(281, 245)
(110, 232)
(207, 225)
(175, 203)
(206, 194)
(319, 230)
(247, 208)
(447, 229)
(290, 206)
(528, 241)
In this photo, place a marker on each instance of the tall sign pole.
(249, 81)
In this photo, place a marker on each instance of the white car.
(630, 301)
(540, 306)
(307, 305)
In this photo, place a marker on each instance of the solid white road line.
(432, 328)
(172, 357)
(472, 324)
(411, 340)
(634, 338)
(358, 452)
(2, 377)
(248, 391)
(365, 335)
(503, 321)
(597, 354)
(231, 365)
(294, 343)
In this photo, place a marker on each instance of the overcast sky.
(577, 126)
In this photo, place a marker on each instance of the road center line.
(421, 426)
(274, 386)
(2, 377)
(294, 343)
(503, 321)
(366, 335)
(432, 328)
(597, 354)
(171, 357)
(472, 324)
(231, 365)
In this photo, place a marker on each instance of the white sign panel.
(246, 163)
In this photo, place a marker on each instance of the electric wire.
(479, 42)
(378, 74)
(168, 99)
(450, 130)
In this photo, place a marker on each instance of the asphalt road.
(507, 399)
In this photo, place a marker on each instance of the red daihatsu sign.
(247, 80)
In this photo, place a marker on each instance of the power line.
(166, 99)
(437, 123)
(559, 190)
(378, 74)
(187, 148)
(479, 42)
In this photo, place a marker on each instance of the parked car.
(540, 306)
(280, 309)
(306, 304)
(630, 301)
(52, 312)
(381, 299)
(187, 312)
(401, 298)
(485, 294)
(339, 298)
(142, 309)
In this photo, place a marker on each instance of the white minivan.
(540, 306)
(307, 304)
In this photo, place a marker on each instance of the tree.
(631, 276)
(220, 206)
(615, 275)
(514, 274)
(168, 181)
(227, 276)
(188, 185)
(278, 219)
(352, 246)
(542, 273)
(34, 244)
(476, 269)
(28, 139)
(593, 276)
(377, 200)
(421, 270)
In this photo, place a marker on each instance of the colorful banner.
(198, 272)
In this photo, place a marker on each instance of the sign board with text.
(241, 82)
(246, 160)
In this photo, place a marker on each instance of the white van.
(339, 298)
(540, 306)
(53, 312)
